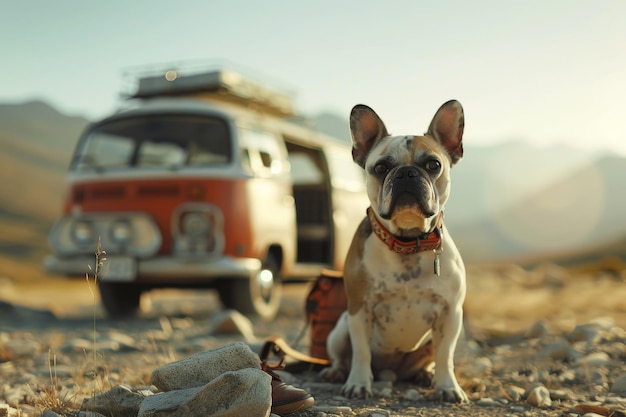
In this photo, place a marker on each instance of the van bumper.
(163, 270)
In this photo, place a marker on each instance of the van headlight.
(83, 233)
(197, 230)
(121, 232)
(195, 224)
(129, 233)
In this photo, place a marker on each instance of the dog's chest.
(404, 300)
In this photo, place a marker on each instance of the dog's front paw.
(454, 394)
(357, 390)
(359, 383)
(333, 374)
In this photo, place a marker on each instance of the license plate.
(118, 268)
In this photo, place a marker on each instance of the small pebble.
(487, 402)
(411, 395)
(619, 386)
(515, 393)
(539, 397)
(385, 393)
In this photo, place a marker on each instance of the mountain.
(509, 201)
(36, 142)
(583, 209)
(332, 125)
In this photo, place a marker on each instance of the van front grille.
(158, 191)
(107, 192)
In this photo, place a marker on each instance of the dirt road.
(540, 330)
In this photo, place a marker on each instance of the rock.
(19, 394)
(411, 395)
(595, 359)
(487, 402)
(377, 412)
(538, 330)
(560, 350)
(591, 332)
(119, 401)
(562, 394)
(7, 411)
(385, 393)
(515, 393)
(163, 403)
(202, 367)
(482, 365)
(45, 413)
(619, 385)
(585, 375)
(125, 343)
(246, 392)
(549, 275)
(231, 322)
(22, 348)
(539, 396)
(18, 316)
(77, 345)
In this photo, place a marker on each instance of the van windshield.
(155, 141)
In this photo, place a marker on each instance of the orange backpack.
(324, 304)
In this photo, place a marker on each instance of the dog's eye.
(433, 165)
(381, 168)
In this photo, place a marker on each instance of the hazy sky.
(546, 71)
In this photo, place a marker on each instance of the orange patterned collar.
(426, 242)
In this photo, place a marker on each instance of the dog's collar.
(426, 242)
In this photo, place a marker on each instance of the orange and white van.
(202, 181)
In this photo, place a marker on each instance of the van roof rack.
(210, 82)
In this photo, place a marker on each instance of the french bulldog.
(403, 275)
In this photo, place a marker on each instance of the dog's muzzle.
(407, 187)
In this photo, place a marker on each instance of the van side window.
(264, 153)
(245, 160)
(266, 159)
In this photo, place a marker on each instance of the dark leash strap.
(277, 346)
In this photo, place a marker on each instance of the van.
(203, 180)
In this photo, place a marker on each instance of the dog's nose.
(407, 171)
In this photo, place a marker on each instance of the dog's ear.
(366, 129)
(447, 128)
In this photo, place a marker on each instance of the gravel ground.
(542, 344)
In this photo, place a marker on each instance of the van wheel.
(260, 295)
(120, 300)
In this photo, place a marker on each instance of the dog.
(403, 275)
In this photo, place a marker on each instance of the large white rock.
(246, 392)
(201, 368)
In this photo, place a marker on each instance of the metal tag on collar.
(437, 262)
(437, 252)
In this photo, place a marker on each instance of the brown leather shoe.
(286, 399)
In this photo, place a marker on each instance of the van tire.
(255, 296)
(120, 300)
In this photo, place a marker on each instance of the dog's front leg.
(446, 330)
(359, 383)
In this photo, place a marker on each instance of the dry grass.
(511, 300)
(50, 398)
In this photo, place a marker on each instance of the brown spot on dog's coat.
(355, 276)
